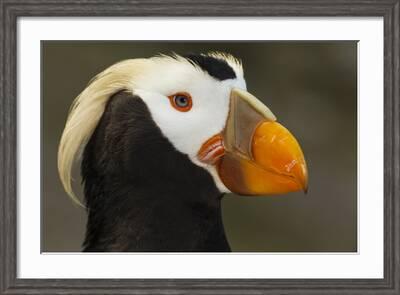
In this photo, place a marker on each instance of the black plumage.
(141, 193)
(215, 67)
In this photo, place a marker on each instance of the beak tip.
(300, 174)
(304, 178)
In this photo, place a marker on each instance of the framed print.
(213, 148)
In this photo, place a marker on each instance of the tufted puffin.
(161, 140)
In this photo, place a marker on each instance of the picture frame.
(11, 10)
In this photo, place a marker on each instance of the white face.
(187, 130)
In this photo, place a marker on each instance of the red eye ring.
(181, 101)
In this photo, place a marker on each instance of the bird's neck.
(141, 193)
(154, 219)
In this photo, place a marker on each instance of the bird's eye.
(181, 101)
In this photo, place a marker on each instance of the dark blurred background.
(310, 86)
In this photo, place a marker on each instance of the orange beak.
(255, 155)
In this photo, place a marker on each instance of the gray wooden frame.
(11, 10)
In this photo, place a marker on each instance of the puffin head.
(202, 107)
